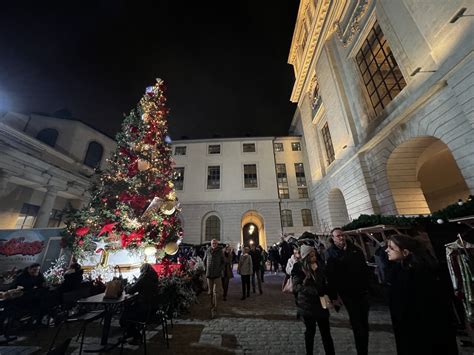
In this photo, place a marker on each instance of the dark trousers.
(358, 308)
(245, 285)
(324, 330)
(257, 275)
(225, 285)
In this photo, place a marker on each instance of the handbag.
(114, 288)
(288, 286)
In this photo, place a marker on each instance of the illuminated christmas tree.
(133, 202)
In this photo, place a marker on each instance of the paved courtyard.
(261, 324)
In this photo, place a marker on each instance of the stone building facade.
(46, 167)
(385, 95)
(229, 187)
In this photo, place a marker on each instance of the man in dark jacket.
(214, 264)
(348, 278)
(256, 262)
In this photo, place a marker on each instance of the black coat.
(307, 293)
(347, 271)
(420, 312)
(29, 282)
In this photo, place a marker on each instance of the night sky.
(224, 63)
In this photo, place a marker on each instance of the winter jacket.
(245, 265)
(420, 312)
(256, 259)
(228, 265)
(347, 272)
(147, 288)
(289, 265)
(214, 262)
(309, 291)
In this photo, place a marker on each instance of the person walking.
(348, 280)
(285, 253)
(419, 305)
(245, 269)
(228, 273)
(274, 258)
(263, 262)
(256, 262)
(214, 264)
(310, 287)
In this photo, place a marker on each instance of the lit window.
(282, 180)
(286, 218)
(278, 147)
(302, 192)
(48, 136)
(94, 155)
(178, 178)
(300, 176)
(213, 177)
(248, 147)
(27, 216)
(214, 149)
(380, 72)
(296, 146)
(250, 175)
(213, 228)
(307, 217)
(328, 143)
(180, 150)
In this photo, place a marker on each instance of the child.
(245, 269)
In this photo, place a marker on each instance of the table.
(110, 306)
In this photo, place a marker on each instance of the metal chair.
(86, 319)
(155, 317)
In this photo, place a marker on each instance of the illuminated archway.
(337, 208)
(253, 218)
(424, 177)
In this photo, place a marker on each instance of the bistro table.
(111, 306)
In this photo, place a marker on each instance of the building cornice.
(318, 31)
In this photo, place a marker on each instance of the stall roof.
(376, 229)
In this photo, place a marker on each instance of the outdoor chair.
(86, 319)
(155, 317)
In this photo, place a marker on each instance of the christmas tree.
(133, 203)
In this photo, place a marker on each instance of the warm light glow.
(150, 250)
(251, 229)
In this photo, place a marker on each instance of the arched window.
(213, 228)
(94, 155)
(48, 136)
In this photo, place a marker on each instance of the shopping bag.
(288, 286)
(113, 289)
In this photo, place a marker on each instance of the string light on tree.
(134, 199)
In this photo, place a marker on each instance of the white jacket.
(289, 265)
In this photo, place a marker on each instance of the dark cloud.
(225, 67)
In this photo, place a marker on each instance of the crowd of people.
(419, 306)
(339, 277)
(320, 280)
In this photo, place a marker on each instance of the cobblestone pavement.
(267, 324)
(261, 324)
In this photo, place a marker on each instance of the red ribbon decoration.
(107, 228)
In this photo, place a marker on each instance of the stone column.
(4, 179)
(46, 207)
